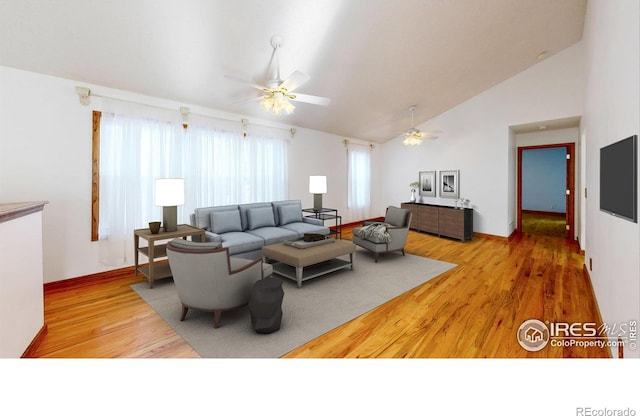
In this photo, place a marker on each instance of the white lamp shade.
(169, 192)
(317, 184)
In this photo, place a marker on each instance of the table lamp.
(317, 186)
(169, 194)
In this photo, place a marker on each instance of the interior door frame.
(570, 185)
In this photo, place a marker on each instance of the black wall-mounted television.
(619, 179)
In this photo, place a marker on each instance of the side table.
(154, 251)
(327, 214)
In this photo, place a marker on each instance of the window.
(220, 166)
(359, 177)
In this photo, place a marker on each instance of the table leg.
(151, 257)
(136, 245)
(299, 270)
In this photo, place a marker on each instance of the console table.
(441, 220)
(154, 251)
(326, 214)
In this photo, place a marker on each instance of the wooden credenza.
(441, 220)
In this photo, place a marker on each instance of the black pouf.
(265, 305)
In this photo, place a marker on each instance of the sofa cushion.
(225, 221)
(277, 204)
(260, 217)
(289, 213)
(202, 216)
(241, 242)
(300, 228)
(273, 235)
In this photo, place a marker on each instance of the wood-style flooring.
(547, 224)
(473, 310)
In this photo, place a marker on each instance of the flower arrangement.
(414, 187)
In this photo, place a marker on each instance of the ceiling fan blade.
(312, 99)
(249, 100)
(244, 81)
(295, 80)
(433, 134)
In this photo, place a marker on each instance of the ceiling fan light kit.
(412, 141)
(278, 101)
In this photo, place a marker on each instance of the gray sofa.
(246, 228)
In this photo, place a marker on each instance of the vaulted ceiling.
(373, 58)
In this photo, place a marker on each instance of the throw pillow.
(289, 214)
(260, 217)
(225, 221)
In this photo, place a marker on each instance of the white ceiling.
(372, 58)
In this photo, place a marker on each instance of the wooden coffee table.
(302, 264)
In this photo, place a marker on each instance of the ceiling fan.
(278, 94)
(413, 136)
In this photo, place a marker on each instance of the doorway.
(546, 189)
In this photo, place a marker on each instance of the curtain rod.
(85, 94)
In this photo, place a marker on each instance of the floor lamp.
(169, 194)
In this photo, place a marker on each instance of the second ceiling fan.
(277, 94)
(413, 136)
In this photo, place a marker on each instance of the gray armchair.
(208, 279)
(390, 235)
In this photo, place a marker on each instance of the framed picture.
(427, 183)
(450, 184)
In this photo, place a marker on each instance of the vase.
(154, 227)
(413, 196)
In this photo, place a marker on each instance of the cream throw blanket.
(376, 233)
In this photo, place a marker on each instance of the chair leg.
(375, 256)
(217, 315)
(403, 252)
(184, 312)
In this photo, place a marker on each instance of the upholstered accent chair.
(391, 234)
(208, 279)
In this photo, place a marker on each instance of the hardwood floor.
(540, 223)
(101, 317)
(474, 310)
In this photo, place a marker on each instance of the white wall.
(611, 113)
(45, 154)
(476, 139)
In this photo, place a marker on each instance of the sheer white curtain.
(133, 153)
(359, 177)
(224, 167)
(219, 166)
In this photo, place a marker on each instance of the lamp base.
(317, 202)
(170, 218)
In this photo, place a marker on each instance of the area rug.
(320, 305)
